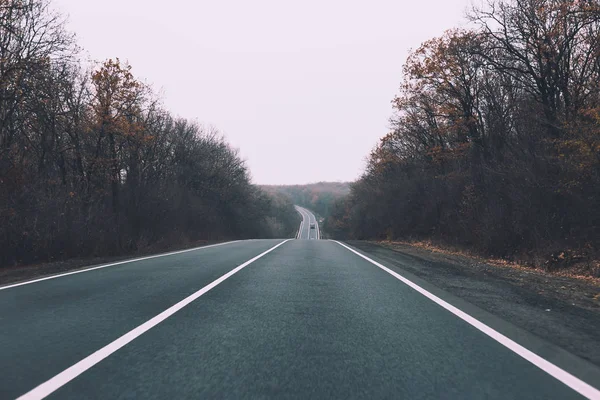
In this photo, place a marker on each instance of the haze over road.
(262, 318)
(308, 218)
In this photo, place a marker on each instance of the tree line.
(495, 139)
(317, 197)
(92, 164)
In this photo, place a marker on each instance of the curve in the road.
(308, 218)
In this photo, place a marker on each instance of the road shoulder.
(559, 310)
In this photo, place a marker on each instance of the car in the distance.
(312, 226)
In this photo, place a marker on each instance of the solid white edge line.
(303, 222)
(79, 271)
(64, 377)
(306, 219)
(318, 229)
(299, 236)
(307, 215)
(300, 229)
(558, 373)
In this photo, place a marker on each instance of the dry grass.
(588, 271)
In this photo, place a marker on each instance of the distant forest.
(92, 164)
(495, 137)
(317, 197)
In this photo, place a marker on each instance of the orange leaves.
(119, 100)
(440, 88)
(592, 114)
(117, 92)
(445, 59)
(441, 155)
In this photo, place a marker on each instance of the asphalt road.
(305, 231)
(263, 319)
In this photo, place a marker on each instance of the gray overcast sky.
(302, 88)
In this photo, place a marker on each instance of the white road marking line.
(300, 230)
(307, 220)
(301, 223)
(317, 233)
(308, 231)
(53, 384)
(304, 216)
(318, 230)
(112, 265)
(558, 373)
(308, 216)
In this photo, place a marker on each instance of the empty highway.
(265, 319)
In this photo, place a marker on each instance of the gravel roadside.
(561, 310)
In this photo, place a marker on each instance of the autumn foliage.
(495, 140)
(91, 163)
